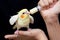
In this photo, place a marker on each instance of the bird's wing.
(31, 19)
(13, 19)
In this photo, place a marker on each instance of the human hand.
(49, 7)
(49, 12)
(31, 34)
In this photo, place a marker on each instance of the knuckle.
(50, 1)
(41, 3)
(46, 2)
(39, 30)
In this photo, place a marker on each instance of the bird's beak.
(23, 16)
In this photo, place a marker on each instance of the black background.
(11, 7)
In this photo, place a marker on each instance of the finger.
(25, 33)
(51, 5)
(10, 36)
(17, 32)
(29, 29)
(46, 2)
(56, 7)
(50, 1)
(41, 3)
(55, 0)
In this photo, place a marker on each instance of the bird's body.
(23, 19)
(22, 23)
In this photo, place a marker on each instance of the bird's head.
(23, 14)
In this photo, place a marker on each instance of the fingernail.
(5, 37)
(16, 32)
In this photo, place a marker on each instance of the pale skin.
(49, 12)
(30, 34)
(50, 15)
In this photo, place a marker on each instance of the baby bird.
(22, 19)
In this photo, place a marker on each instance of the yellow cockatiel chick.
(22, 19)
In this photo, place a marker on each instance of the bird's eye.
(23, 13)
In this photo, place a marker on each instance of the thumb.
(24, 33)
